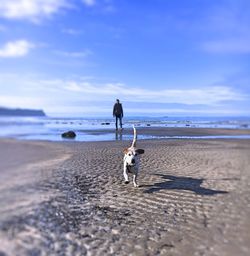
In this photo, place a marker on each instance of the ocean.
(51, 128)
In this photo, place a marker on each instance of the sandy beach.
(69, 198)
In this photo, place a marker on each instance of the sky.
(159, 57)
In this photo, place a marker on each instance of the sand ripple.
(193, 199)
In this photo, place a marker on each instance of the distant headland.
(20, 112)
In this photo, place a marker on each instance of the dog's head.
(132, 155)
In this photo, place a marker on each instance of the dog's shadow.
(181, 183)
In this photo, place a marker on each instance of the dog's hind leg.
(125, 174)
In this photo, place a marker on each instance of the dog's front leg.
(135, 179)
(125, 174)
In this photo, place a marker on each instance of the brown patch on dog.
(125, 151)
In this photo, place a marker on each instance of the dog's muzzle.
(132, 164)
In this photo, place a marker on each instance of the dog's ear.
(125, 151)
(140, 151)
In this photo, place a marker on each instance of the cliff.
(20, 112)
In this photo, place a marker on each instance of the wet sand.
(174, 131)
(70, 198)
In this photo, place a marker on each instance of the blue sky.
(160, 57)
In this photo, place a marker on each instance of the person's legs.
(120, 119)
(116, 122)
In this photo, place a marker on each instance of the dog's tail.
(135, 138)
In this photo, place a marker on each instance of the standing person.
(118, 113)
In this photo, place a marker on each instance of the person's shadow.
(181, 183)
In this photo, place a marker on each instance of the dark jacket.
(117, 110)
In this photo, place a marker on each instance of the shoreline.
(146, 133)
(193, 198)
(172, 131)
(151, 133)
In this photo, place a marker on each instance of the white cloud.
(84, 94)
(108, 91)
(73, 86)
(207, 96)
(14, 101)
(15, 49)
(32, 10)
(89, 2)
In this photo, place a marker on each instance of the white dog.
(131, 161)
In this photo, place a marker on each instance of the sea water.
(51, 128)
